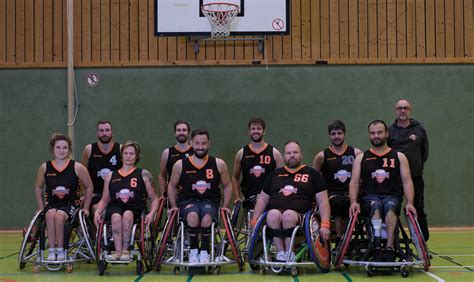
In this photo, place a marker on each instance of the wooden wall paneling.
(115, 30)
(286, 47)
(77, 7)
(124, 29)
(20, 31)
(171, 47)
(382, 29)
(152, 39)
(440, 24)
(334, 29)
(458, 28)
(229, 48)
(95, 31)
(133, 22)
(372, 24)
(391, 28)
(3, 31)
(277, 44)
(86, 31)
(257, 55)
(430, 29)
(315, 29)
(210, 50)
(401, 35)
(363, 16)
(353, 29)
(201, 55)
(144, 32)
(420, 29)
(449, 27)
(295, 32)
(468, 30)
(268, 49)
(48, 30)
(306, 29)
(343, 29)
(325, 30)
(105, 17)
(190, 54)
(220, 50)
(411, 28)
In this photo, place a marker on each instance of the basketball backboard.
(256, 17)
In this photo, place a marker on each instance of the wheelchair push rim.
(418, 240)
(319, 249)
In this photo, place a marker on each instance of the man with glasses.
(408, 136)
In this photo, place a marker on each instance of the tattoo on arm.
(147, 175)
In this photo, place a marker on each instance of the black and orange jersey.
(101, 163)
(62, 186)
(380, 174)
(128, 190)
(200, 182)
(256, 166)
(337, 168)
(174, 155)
(293, 189)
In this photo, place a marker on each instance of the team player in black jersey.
(61, 177)
(194, 189)
(335, 164)
(124, 199)
(100, 158)
(383, 176)
(171, 155)
(255, 162)
(288, 193)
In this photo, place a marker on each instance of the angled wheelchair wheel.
(345, 241)
(256, 242)
(167, 232)
(87, 228)
(156, 226)
(145, 244)
(232, 240)
(320, 250)
(30, 240)
(99, 254)
(234, 218)
(418, 240)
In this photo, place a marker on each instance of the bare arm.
(262, 202)
(236, 174)
(173, 183)
(354, 184)
(226, 183)
(39, 184)
(104, 200)
(407, 183)
(318, 161)
(163, 173)
(325, 213)
(150, 189)
(86, 154)
(278, 158)
(86, 183)
(357, 151)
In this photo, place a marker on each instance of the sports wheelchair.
(173, 249)
(357, 245)
(310, 250)
(240, 220)
(141, 247)
(78, 243)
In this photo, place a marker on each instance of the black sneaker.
(389, 255)
(377, 254)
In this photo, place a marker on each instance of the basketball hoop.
(220, 15)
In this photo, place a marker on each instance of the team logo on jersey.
(288, 190)
(342, 175)
(186, 155)
(201, 186)
(380, 175)
(257, 171)
(103, 172)
(60, 192)
(124, 195)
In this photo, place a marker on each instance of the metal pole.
(70, 73)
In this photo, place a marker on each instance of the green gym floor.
(453, 260)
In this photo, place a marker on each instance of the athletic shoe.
(60, 255)
(51, 255)
(193, 256)
(389, 255)
(281, 256)
(291, 257)
(204, 257)
(125, 256)
(113, 256)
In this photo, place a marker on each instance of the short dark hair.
(336, 125)
(55, 137)
(257, 120)
(200, 131)
(180, 121)
(293, 141)
(378, 121)
(133, 144)
(103, 121)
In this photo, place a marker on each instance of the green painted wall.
(297, 102)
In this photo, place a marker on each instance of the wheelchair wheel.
(319, 250)
(232, 240)
(30, 239)
(145, 244)
(167, 231)
(418, 240)
(87, 228)
(345, 241)
(100, 258)
(234, 218)
(155, 230)
(256, 242)
(102, 266)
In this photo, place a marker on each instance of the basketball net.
(220, 15)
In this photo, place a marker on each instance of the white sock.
(377, 224)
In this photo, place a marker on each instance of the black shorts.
(340, 205)
(200, 207)
(95, 198)
(68, 208)
(137, 213)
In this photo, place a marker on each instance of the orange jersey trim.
(251, 147)
(177, 149)
(126, 173)
(293, 170)
(382, 154)
(334, 152)
(53, 163)
(199, 166)
(103, 151)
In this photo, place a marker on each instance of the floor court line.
(10, 255)
(452, 261)
(439, 279)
